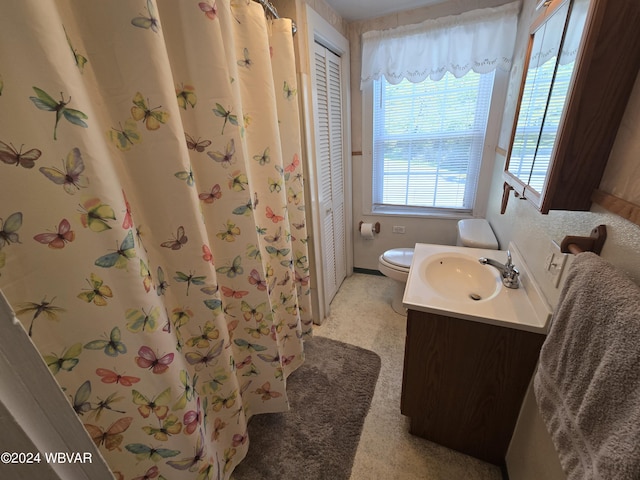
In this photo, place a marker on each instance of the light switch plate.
(554, 263)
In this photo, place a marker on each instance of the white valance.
(480, 40)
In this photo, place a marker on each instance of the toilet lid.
(401, 257)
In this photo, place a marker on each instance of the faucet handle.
(510, 273)
(510, 277)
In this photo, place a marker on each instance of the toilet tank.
(476, 233)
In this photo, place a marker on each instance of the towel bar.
(592, 243)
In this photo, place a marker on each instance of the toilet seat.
(395, 264)
(398, 258)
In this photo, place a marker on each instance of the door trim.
(35, 415)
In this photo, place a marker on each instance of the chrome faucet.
(508, 271)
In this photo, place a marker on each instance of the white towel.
(588, 381)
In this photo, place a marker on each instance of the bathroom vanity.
(468, 361)
(464, 382)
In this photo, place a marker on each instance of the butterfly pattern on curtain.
(152, 227)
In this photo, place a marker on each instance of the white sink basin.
(460, 277)
(449, 280)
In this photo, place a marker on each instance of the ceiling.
(352, 10)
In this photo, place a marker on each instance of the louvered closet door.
(330, 164)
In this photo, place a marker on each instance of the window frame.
(490, 147)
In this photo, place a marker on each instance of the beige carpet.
(361, 315)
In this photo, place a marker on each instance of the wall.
(621, 175)
(296, 10)
(417, 230)
(531, 455)
(532, 231)
(323, 9)
(439, 231)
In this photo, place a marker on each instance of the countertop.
(524, 308)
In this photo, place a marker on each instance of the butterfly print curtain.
(152, 229)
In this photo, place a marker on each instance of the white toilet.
(395, 263)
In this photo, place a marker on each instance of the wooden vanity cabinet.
(464, 382)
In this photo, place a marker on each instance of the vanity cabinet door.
(563, 134)
(464, 382)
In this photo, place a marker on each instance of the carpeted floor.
(330, 395)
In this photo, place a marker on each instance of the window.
(428, 141)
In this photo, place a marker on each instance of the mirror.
(544, 48)
(553, 47)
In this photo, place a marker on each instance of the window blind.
(428, 139)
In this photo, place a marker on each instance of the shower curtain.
(152, 228)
